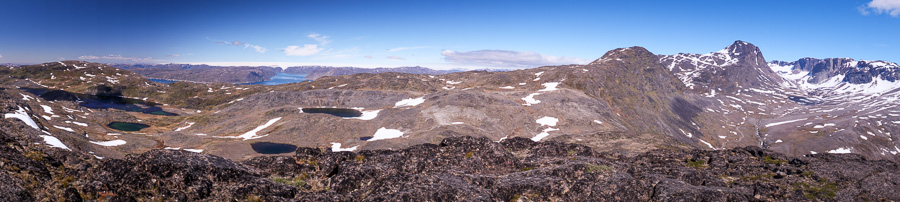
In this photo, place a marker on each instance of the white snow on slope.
(783, 122)
(543, 134)
(54, 142)
(547, 121)
(550, 86)
(507, 87)
(111, 143)
(336, 147)
(840, 151)
(366, 115)
(529, 100)
(384, 133)
(185, 127)
(47, 109)
(252, 133)
(409, 102)
(708, 145)
(23, 116)
(64, 128)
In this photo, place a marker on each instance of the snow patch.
(22, 115)
(384, 133)
(529, 100)
(185, 127)
(252, 133)
(783, 122)
(47, 109)
(550, 86)
(409, 102)
(507, 87)
(547, 121)
(841, 150)
(54, 142)
(111, 143)
(366, 115)
(64, 128)
(543, 134)
(336, 147)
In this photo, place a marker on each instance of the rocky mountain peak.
(623, 54)
(738, 65)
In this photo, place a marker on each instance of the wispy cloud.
(173, 55)
(406, 48)
(395, 58)
(506, 58)
(322, 39)
(306, 50)
(115, 58)
(890, 7)
(368, 57)
(1, 55)
(258, 49)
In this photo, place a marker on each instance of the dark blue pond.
(163, 81)
(341, 112)
(281, 78)
(124, 126)
(272, 148)
(100, 102)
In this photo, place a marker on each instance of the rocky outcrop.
(458, 169)
(476, 169)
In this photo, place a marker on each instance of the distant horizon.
(439, 35)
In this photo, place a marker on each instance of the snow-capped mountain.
(740, 65)
(832, 77)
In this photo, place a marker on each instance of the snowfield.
(384, 134)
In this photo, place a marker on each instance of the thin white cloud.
(258, 49)
(890, 7)
(395, 58)
(322, 39)
(406, 48)
(115, 58)
(173, 55)
(306, 50)
(368, 57)
(1, 55)
(312, 49)
(506, 58)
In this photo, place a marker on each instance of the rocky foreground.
(459, 168)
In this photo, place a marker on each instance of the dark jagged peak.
(738, 65)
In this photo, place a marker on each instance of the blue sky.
(437, 34)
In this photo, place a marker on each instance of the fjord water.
(272, 148)
(281, 78)
(163, 81)
(100, 102)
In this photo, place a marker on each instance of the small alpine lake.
(272, 148)
(125, 126)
